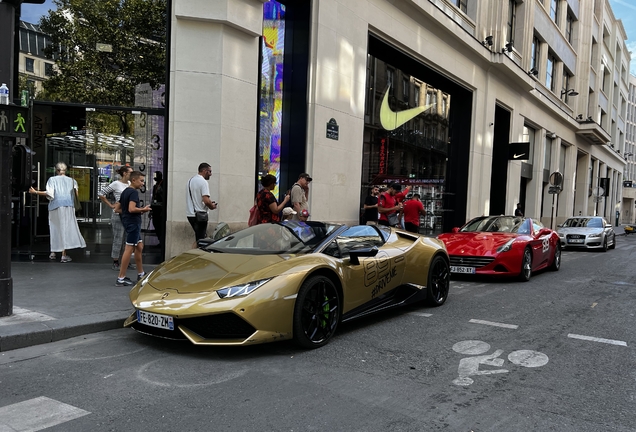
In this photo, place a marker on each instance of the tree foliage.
(136, 31)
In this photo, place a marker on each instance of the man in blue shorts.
(131, 212)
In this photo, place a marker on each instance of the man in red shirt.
(413, 208)
(388, 206)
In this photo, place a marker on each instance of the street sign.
(333, 129)
(554, 190)
(13, 121)
(556, 179)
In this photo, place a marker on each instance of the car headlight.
(595, 235)
(561, 235)
(241, 290)
(506, 247)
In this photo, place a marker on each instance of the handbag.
(253, 219)
(76, 202)
(393, 219)
(201, 216)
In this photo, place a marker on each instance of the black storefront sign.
(333, 130)
(519, 151)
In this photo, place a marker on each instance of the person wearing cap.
(389, 206)
(300, 194)
(288, 213)
(303, 215)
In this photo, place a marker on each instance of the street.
(555, 353)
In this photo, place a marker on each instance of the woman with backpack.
(266, 203)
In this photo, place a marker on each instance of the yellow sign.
(83, 178)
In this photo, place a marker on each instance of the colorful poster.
(271, 90)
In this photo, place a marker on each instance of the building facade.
(628, 211)
(473, 104)
(33, 63)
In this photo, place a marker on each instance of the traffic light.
(22, 168)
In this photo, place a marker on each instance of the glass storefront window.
(271, 90)
(405, 142)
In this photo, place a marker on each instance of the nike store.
(416, 134)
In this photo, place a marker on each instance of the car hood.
(580, 230)
(204, 272)
(475, 243)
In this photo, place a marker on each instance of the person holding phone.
(198, 202)
(130, 207)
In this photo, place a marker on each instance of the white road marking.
(528, 358)
(22, 316)
(495, 324)
(422, 314)
(37, 414)
(595, 339)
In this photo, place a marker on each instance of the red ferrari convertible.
(502, 246)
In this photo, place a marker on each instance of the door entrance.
(85, 140)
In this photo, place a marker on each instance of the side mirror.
(355, 254)
(455, 230)
(544, 231)
(203, 243)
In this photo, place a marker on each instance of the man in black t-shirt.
(371, 206)
(131, 210)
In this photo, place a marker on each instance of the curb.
(24, 335)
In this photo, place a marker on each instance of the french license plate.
(458, 269)
(575, 241)
(155, 320)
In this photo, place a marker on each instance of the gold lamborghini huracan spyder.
(287, 280)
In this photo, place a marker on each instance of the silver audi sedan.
(587, 232)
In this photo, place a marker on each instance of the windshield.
(275, 238)
(493, 224)
(583, 223)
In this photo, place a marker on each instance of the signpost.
(13, 125)
(556, 186)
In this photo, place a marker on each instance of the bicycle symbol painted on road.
(469, 366)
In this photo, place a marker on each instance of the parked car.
(587, 232)
(290, 280)
(502, 246)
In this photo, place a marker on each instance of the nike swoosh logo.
(517, 156)
(390, 119)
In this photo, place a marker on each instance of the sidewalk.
(54, 301)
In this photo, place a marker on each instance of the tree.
(103, 49)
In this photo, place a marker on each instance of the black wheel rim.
(527, 264)
(440, 280)
(320, 312)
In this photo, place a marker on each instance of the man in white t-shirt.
(198, 200)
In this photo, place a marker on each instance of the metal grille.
(575, 236)
(222, 326)
(470, 261)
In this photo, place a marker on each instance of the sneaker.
(66, 258)
(141, 276)
(123, 282)
(52, 256)
(115, 265)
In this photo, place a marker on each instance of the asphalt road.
(553, 354)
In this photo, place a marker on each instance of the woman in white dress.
(65, 233)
